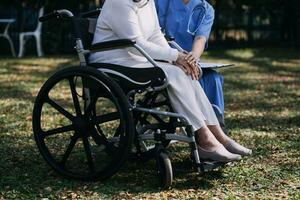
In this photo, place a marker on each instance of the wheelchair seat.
(128, 78)
(132, 78)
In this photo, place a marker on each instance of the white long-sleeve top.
(125, 19)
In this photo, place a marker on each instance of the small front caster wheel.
(164, 170)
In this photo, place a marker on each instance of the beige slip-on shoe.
(234, 147)
(220, 154)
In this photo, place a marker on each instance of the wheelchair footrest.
(211, 165)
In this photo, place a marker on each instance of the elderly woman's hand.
(192, 58)
(181, 62)
(190, 69)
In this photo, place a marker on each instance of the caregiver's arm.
(197, 49)
(202, 35)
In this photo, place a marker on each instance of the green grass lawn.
(262, 100)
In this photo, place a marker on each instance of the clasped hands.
(187, 61)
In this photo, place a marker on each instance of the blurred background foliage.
(238, 23)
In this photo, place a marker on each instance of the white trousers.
(186, 95)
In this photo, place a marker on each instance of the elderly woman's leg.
(228, 143)
(210, 148)
(188, 99)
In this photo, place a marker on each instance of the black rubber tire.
(106, 84)
(164, 170)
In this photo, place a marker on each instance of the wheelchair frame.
(160, 138)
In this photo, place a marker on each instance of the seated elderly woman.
(137, 20)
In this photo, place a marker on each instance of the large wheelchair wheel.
(82, 124)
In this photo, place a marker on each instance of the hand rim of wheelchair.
(125, 119)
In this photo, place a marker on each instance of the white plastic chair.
(37, 33)
(5, 34)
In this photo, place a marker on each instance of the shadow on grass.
(264, 123)
(37, 68)
(25, 174)
(187, 177)
(33, 77)
(30, 176)
(14, 92)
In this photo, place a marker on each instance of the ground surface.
(262, 95)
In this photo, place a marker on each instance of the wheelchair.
(89, 119)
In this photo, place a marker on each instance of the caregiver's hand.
(192, 58)
(186, 67)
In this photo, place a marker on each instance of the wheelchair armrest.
(112, 44)
(120, 43)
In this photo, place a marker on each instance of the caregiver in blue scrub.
(189, 22)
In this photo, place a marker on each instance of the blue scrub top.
(174, 18)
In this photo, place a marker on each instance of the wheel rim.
(76, 138)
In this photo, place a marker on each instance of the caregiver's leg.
(212, 84)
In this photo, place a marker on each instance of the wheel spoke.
(60, 109)
(75, 97)
(69, 149)
(105, 118)
(88, 153)
(58, 130)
